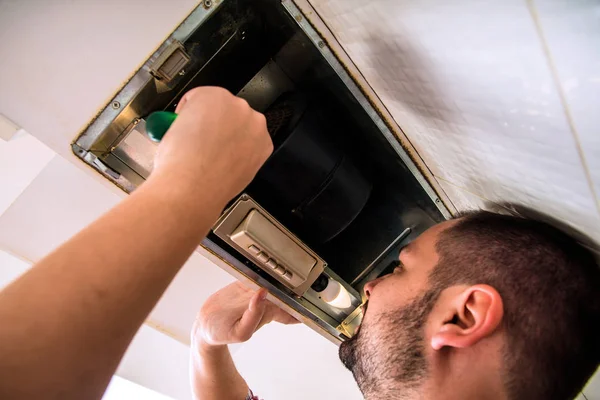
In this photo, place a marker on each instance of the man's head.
(506, 301)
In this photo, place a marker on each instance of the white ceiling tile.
(177, 309)
(11, 268)
(121, 388)
(7, 128)
(157, 362)
(301, 365)
(572, 32)
(21, 160)
(57, 204)
(54, 78)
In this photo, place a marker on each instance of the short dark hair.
(550, 288)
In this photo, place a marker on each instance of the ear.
(473, 315)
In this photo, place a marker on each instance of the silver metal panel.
(137, 150)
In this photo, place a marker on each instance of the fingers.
(258, 299)
(252, 317)
(198, 93)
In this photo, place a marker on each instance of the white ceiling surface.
(157, 362)
(58, 203)
(571, 30)
(122, 389)
(294, 363)
(55, 78)
(7, 128)
(11, 267)
(21, 159)
(472, 86)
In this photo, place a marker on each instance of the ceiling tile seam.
(17, 256)
(29, 184)
(563, 99)
(162, 329)
(414, 152)
(447, 196)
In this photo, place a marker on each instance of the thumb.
(251, 318)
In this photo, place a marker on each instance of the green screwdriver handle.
(158, 123)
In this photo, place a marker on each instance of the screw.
(116, 105)
(208, 3)
(437, 200)
(182, 72)
(321, 44)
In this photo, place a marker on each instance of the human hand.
(233, 314)
(217, 140)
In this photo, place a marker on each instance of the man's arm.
(231, 315)
(65, 324)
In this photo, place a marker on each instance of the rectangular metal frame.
(95, 144)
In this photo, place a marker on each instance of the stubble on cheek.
(387, 355)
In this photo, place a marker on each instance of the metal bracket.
(351, 323)
(170, 63)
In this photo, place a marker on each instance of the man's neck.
(465, 377)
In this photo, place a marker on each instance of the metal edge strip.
(141, 77)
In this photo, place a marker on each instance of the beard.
(387, 355)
